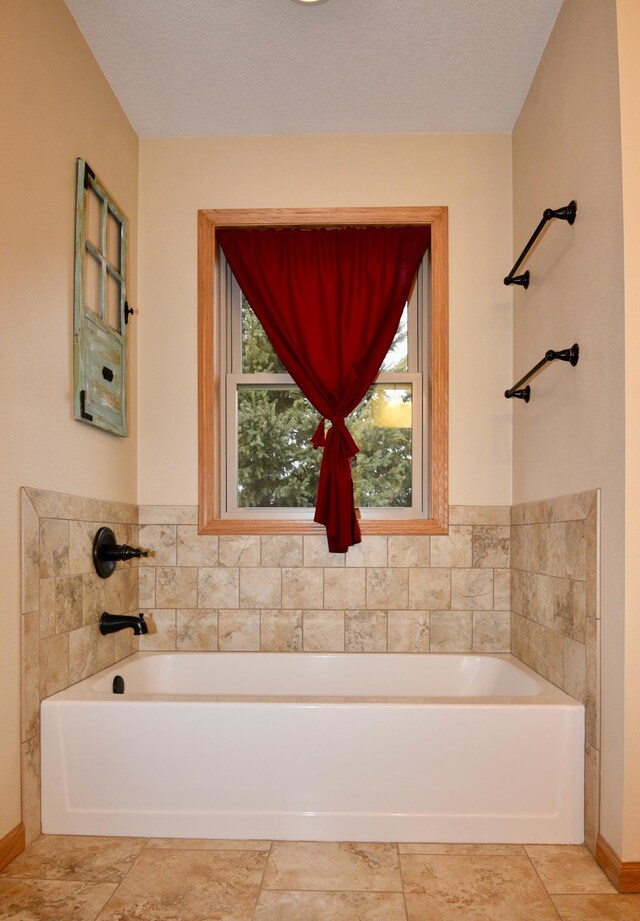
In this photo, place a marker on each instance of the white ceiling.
(244, 67)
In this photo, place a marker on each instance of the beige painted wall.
(629, 63)
(570, 437)
(55, 105)
(469, 173)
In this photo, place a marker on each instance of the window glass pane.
(92, 217)
(396, 359)
(113, 302)
(258, 355)
(257, 352)
(91, 283)
(382, 428)
(113, 241)
(278, 466)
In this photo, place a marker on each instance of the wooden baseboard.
(11, 845)
(625, 876)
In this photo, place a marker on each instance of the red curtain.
(330, 301)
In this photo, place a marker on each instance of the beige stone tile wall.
(287, 593)
(555, 620)
(62, 598)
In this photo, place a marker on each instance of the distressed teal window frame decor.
(100, 309)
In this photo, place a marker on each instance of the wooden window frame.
(210, 520)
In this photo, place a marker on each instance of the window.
(258, 470)
(269, 465)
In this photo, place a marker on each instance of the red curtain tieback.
(339, 426)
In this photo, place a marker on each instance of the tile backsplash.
(62, 598)
(287, 593)
(555, 624)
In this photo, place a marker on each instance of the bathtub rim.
(549, 695)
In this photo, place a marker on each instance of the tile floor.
(135, 879)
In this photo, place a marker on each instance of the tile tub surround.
(62, 598)
(555, 621)
(287, 593)
(304, 619)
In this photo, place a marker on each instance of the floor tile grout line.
(60, 879)
(471, 856)
(102, 908)
(334, 889)
(43, 878)
(260, 886)
(584, 895)
(209, 850)
(542, 883)
(115, 891)
(404, 892)
(118, 884)
(138, 856)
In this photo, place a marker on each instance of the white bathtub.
(443, 748)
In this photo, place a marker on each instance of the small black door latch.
(83, 404)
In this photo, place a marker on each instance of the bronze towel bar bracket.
(572, 355)
(568, 214)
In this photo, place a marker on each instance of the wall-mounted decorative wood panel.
(100, 309)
